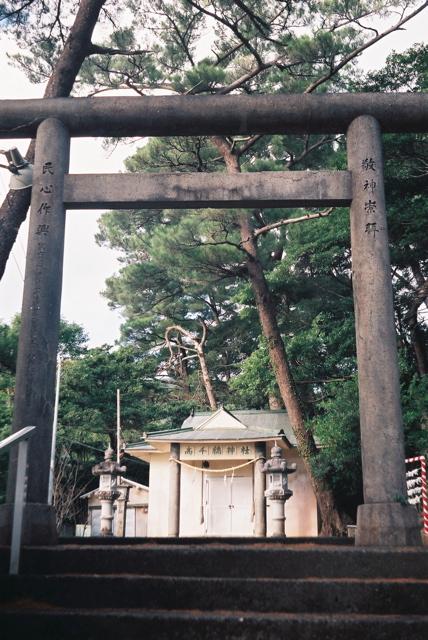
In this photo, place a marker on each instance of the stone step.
(207, 540)
(36, 623)
(369, 596)
(269, 560)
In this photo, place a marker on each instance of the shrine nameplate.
(231, 451)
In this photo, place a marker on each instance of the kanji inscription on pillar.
(369, 189)
(44, 208)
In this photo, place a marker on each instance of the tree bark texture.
(13, 210)
(420, 350)
(331, 522)
(206, 378)
(183, 370)
(417, 335)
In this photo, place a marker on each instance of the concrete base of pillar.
(387, 524)
(39, 525)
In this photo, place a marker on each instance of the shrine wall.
(158, 495)
(301, 509)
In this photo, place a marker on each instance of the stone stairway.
(215, 589)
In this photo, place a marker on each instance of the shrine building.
(206, 477)
(130, 511)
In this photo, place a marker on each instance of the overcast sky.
(86, 265)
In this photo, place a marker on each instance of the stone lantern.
(108, 470)
(277, 491)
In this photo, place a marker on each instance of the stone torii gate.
(384, 518)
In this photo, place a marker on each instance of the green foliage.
(337, 429)
(9, 345)
(88, 409)
(88, 395)
(180, 267)
(406, 71)
(415, 415)
(255, 380)
(205, 75)
(72, 343)
(175, 154)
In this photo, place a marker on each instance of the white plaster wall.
(301, 508)
(138, 496)
(158, 495)
(141, 520)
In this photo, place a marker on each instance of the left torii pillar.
(38, 340)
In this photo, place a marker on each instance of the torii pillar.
(385, 518)
(38, 340)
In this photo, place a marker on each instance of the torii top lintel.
(215, 115)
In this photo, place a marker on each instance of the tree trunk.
(417, 335)
(420, 349)
(331, 522)
(184, 371)
(13, 210)
(206, 377)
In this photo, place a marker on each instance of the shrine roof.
(217, 435)
(224, 426)
(260, 420)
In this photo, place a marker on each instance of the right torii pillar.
(385, 518)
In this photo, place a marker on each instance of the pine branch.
(333, 71)
(309, 148)
(262, 66)
(257, 21)
(99, 49)
(17, 11)
(248, 144)
(282, 223)
(224, 56)
(230, 26)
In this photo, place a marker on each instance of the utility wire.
(17, 266)
(101, 451)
